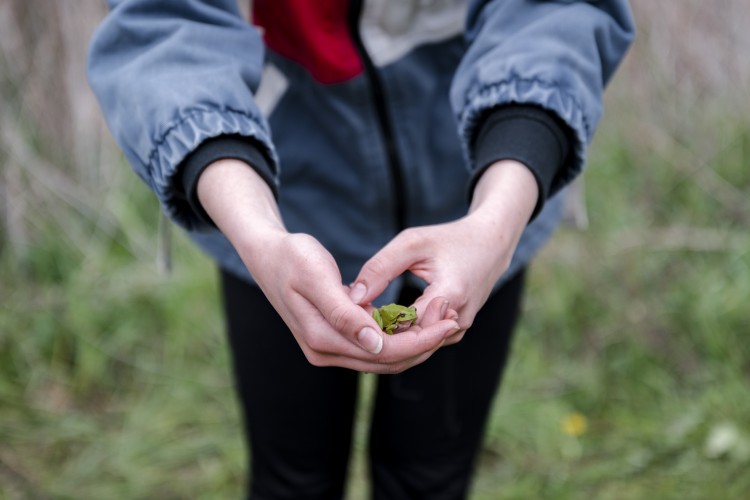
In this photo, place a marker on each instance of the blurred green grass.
(640, 325)
(115, 378)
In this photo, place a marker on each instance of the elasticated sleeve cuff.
(527, 134)
(221, 148)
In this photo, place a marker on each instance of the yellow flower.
(575, 424)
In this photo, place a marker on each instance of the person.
(333, 156)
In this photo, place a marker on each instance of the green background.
(114, 375)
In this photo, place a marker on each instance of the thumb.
(383, 267)
(351, 321)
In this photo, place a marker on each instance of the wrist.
(505, 196)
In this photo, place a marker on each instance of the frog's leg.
(377, 318)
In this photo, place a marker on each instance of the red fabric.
(314, 34)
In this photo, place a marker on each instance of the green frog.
(395, 317)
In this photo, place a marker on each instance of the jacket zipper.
(384, 122)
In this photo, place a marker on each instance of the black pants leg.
(298, 418)
(427, 424)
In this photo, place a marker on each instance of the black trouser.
(427, 422)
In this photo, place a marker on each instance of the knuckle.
(413, 237)
(317, 362)
(316, 359)
(315, 346)
(459, 297)
(318, 346)
(376, 265)
(339, 318)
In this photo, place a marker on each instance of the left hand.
(460, 260)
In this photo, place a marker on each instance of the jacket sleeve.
(555, 56)
(172, 74)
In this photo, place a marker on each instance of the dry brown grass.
(688, 68)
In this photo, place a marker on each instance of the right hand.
(302, 281)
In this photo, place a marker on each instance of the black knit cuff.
(223, 147)
(527, 134)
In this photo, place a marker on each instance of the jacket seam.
(162, 139)
(484, 90)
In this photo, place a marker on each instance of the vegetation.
(630, 373)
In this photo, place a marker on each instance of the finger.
(325, 346)
(320, 289)
(433, 312)
(402, 351)
(366, 366)
(390, 369)
(351, 321)
(406, 345)
(451, 314)
(416, 341)
(456, 336)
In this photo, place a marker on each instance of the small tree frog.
(394, 317)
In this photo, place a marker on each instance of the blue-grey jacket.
(364, 116)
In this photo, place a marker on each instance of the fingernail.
(357, 292)
(370, 340)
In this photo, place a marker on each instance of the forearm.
(242, 206)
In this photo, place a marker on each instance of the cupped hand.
(452, 258)
(462, 260)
